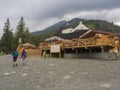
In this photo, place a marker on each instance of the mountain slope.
(52, 28)
(91, 24)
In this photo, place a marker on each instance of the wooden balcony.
(82, 43)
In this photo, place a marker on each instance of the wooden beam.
(60, 55)
(90, 50)
(76, 51)
(102, 49)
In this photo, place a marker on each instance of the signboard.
(55, 49)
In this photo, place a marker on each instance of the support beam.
(90, 50)
(76, 51)
(102, 49)
(60, 55)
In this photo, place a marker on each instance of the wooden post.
(78, 42)
(64, 51)
(85, 44)
(60, 55)
(102, 49)
(90, 50)
(50, 54)
(76, 51)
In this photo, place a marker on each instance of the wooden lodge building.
(82, 42)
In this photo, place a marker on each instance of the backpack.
(16, 54)
(25, 54)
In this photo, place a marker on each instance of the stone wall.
(103, 56)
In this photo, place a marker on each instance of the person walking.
(23, 56)
(15, 56)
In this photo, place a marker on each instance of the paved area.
(59, 74)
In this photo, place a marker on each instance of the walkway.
(58, 74)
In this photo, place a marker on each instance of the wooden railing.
(79, 43)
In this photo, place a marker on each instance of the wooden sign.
(55, 49)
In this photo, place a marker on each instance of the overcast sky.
(39, 14)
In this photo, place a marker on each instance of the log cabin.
(83, 42)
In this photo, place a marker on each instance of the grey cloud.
(58, 9)
(36, 11)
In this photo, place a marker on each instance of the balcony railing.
(81, 43)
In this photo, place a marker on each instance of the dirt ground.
(59, 74)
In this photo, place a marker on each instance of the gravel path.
(59, 74)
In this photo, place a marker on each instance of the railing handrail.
(82, 43)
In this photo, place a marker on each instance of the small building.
(32, 50)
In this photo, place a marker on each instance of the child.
(23, 56)
(15, 56)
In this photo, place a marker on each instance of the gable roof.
(72, 35)
(28, 44)
(68, 30)
(93, 32)
(53, 38)
(81, 26)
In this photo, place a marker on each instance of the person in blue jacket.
(15, 56)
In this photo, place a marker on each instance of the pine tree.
(22, 31)
(6, 43)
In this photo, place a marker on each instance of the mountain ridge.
(53, 27)
(101, 25)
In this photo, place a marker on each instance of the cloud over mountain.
(39, 14)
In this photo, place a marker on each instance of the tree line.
(10, 40)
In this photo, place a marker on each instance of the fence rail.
(80, 43)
